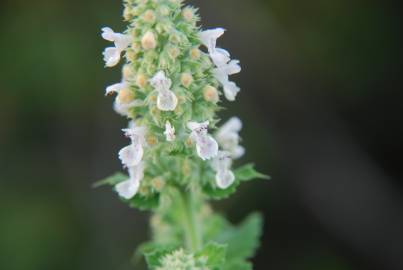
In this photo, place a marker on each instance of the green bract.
(170, 92)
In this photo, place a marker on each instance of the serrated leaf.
(248, 172)
(214, 253)
(144, 203)
(154, 255)
(242, 240)
(111, 180)
(217, 194)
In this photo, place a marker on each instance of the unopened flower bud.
(152, 140)
(186, 79)
(149, 16)
(128, 13)
(210, 94)
(188, 14)
(128, 72)
(195, 53)
(158, 183)
(125, 96)
(141, 80)
(164, 10)
(148, 41)
(174, 38)
(144, 191)
(131, 55)
(173, 52)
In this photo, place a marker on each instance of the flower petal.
(127, 189)
(115, 88)
(206, 147)
(224, 179)
(131, 155)
(231, 90)
(209, 37)
(108, 34)
(111, 56)
(169, 132)
(167, 101)
(160, 82)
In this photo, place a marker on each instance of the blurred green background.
(321, 103)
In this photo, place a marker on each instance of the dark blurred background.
(321, 103)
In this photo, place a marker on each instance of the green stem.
(191, 222)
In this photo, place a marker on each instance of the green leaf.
(144, 203)
(248, 172)
(243, 240)
(214, 253)
(111, 180)
(154, 254)
(216, 193)
(238, 265)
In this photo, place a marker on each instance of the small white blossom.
(222, 59)
(209, 37)
(166, 100)
(128, 189)
(123, 108)
(169, 132)
(206, 146)
(132, 154)
(115, 88)
(230, 88)
(222, 164)
(121, 41)
(111, 56)
(228, 137)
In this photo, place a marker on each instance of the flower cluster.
(174, 78)
(167, 81)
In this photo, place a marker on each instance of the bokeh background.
(321, 103)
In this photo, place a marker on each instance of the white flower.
(230, 88)
(132, 154)
(115, 88)
(206, 146)
(111, 56)
(228, 137)
(135, 133)
(121, 41)
(169, 132)
(209, 37)
(222, 165)
(123, 108)
(166, 100)
(129, 188)
(222, 59)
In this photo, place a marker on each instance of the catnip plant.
(179, 157)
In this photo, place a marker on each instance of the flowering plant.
(178, 159)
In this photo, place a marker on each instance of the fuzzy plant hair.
(180, 155)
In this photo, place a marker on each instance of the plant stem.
(191, 222)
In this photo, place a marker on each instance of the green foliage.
(214, 253)
(154, 255)
(111, 180)
(248, 173)
(144, 203)
(242, 240)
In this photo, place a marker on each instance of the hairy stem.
(191, 221)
